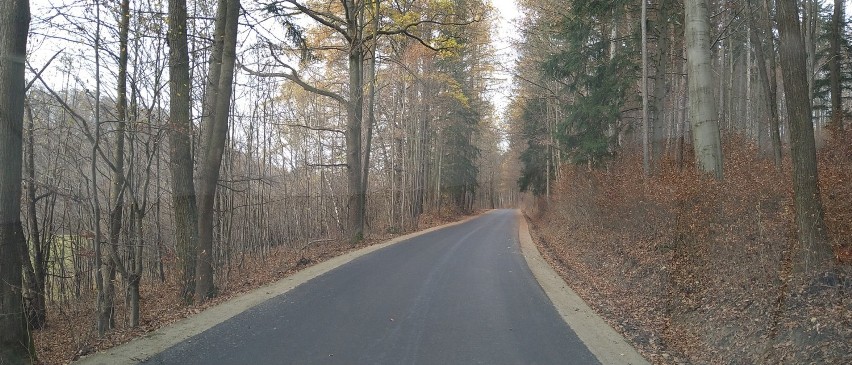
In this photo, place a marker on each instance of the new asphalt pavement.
(459, 295)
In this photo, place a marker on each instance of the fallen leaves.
(691, 271)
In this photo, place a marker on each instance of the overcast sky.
(507, 30)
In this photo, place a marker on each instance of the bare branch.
(38, 74)
(322, 129)
(75, 115)
(323, 18)
(293, 76)
(326, 164)
(406, 28)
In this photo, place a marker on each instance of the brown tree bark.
(771, 67)
(15, 342)
(354, 119)
(367, 129)
(180, 152)
(815, 251)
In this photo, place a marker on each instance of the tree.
(217, 105)
(118, 183)
(351, 28)
(758, 31)
(646, 128)
(593, 70)
(834, 63)
(460, 106)
(538, 108)
(661, 89)
(702, 105)
(815, 249)
(180, 151)
(347, 20)
(15, 342)
(35, 270)
(534, 173)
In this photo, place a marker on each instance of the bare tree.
(117, 181)
(766, 74)
(834, 63)
(15, 342)
(815, 249)
(217, 105)
(180, 151)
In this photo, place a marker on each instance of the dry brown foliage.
(693, 270)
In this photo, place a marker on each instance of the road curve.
(459, 295)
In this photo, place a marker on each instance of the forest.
(692, 165)
(685, 164)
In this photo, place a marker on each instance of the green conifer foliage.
(596, 75)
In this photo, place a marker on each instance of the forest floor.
(693, 271)
(70, 332)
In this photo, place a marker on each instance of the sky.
(506, 30)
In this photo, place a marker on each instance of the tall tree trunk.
(219, 100)
(117, 187)
(180, 150)
(702, 106)
(646, 128)
(763, 74)
(35, 273)
(815, 251)
(135, 276)
(371, 105)
(775, 125)
(810, 18)
(16, 345)
(834, 62)
(205, 189)
(101, 301)
(354, 118)
(660, 86)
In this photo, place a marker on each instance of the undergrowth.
(693, 270)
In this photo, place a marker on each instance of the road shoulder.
(601, 339)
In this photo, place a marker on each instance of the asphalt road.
(460, 295)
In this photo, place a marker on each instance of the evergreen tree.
(597, 73)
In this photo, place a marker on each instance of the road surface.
(460, 295)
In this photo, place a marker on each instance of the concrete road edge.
(144, 347)
(601, 339)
